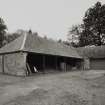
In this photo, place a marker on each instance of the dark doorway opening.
(50, 62)
(34, 63)
(73, 64)
(42, 63)
(39, 63)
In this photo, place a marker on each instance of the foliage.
(92, 31)
(3, 28)
(94, 22)
(74, 34)
(11, 37)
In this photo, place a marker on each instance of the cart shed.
(33, 54)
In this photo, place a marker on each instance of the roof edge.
(11, 52)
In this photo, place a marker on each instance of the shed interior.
(39, 63)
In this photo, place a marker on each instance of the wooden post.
(65, 64)
(43, 63)
(56, 63)
(3, 63)
(28, 69)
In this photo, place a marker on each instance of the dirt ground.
(70, 88)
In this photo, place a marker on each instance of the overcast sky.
(52, 18)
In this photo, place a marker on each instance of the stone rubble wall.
(15, 63)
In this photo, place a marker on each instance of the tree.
(94, 25)
(92, 31)
(3, 28)
(11, 36)
(74, 34)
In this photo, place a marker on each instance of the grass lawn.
(70, 88)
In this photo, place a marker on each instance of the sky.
(51, 18)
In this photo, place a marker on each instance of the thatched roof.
(92, 51)
(36, 44)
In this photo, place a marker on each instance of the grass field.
(70, 88)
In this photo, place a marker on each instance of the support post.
(56, 63)
(3, 63)
(43, 63)
(65, 68)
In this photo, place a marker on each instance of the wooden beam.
(28, 69)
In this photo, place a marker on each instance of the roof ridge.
(14, 45)
(24, 40)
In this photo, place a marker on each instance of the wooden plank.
(28, 68)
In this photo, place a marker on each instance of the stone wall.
(15, 63)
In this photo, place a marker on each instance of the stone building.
(94, 57)
(30, 54)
